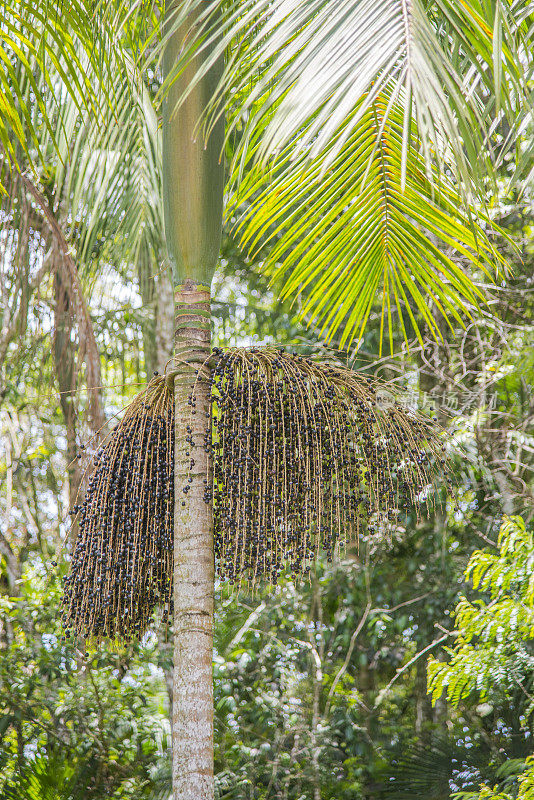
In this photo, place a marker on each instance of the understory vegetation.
(320, 684)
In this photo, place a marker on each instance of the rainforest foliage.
(403, 668)
(320, 685)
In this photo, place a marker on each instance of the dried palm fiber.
(305, 458)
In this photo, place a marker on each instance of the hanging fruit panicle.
(123, 554)
(305, 458)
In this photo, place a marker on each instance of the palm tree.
(193, 185)
(386, 114)
(363, 143)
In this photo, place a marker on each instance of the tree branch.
(74, 290)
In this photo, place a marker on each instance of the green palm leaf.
(363, 231)
(49, 50)
(364, 131)
(114, 182)
(108, 176)
(297, 71)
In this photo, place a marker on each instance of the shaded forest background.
(320, 687)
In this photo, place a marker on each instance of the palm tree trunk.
(193, 183)
(192, 724)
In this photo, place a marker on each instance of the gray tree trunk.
(65, 366)
(192, 723)
(193, 184)
(164, 320)
(146, 268)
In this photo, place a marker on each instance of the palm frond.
(49, 51)
(114, 182)
(431, 771)
(366, 130)
(370, 229)
(51, 776)
(297, 71)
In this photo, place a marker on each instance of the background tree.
(491, 659)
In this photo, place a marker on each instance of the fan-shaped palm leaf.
(431, 771)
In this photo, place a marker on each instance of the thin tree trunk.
(157, 326)
(317, 679)
(146, 268)
(192, 724)
(65, 365)
(164, 319)
(71, 283)
(193, 184)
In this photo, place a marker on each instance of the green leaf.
(353, 236)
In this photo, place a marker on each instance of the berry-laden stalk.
(193, 184)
